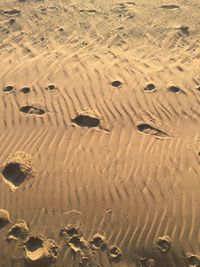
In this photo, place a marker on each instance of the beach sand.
(99, 133)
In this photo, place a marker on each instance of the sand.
(99, 133)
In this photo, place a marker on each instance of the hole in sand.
(8, 89)
(150, 88)
(148, 129)
(164, 244)
(34, 243)
(76, 243)
(69, 231)
(32, 110)
(17, 167)
(98, 242)
(174, 89)
(18, 231)
(169, 6)
(86, 121)
(4, 218)
(192, 260)
(25, 90)
(13, 173)
(116, 84)
(51, 87)
(115, 254)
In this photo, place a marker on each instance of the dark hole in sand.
(72, 231)
(86, 121)
(8, 89)
(3, 223)
(174, 89)
(143, 127)
(150, 88)
(168, 6)
(33, 244)
(116, 84)
(13, 173)
(75, 240)
(51, 87)
(193, 260)
(164, 245)
(32, 110)
(25, 90)
(98, 243)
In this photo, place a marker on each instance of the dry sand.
(99, 133)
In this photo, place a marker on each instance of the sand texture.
(99, 133)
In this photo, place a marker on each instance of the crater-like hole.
(8, 89)
(174, 89)
(86, 121)
(13, 173)
(32, 110)
(51, 87)
(116, 84)
(33, 244)
(25, 90)
(150, 88)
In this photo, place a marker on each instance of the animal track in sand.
(115, 254)
(25, 90)
(8, 89)
(18, 231)
(37, 249)
(87, 119)
(150, 88)
(164, 244)
(4, 218)
(174, 89)
(150, 130)
(145, 262)
(169, 6)
(98, 242)
(192, 260)
(17, 168)
(32, 110)
(116, 83)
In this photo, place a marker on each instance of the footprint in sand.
(4, 218)
(32, 110)
(25, 89)
(17, 168)
(164, 244)
(150, 130)
(115, 254)
(9, 89)
(98, 242)
(41, 250)
(18, 231)
(192, 260)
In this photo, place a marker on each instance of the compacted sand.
(99, 133)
